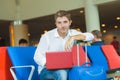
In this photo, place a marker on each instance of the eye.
(58, 22)
(65, 21)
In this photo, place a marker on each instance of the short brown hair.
(97, 33)
(62, 13)
(114, 37)
(22, 41)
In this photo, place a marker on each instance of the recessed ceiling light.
(103, 25)
(104, 31)
(81, 11)
(118, 18)
(28, 34)
(116, 26)
(45, 31)
(78, 29)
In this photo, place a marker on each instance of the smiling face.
(63, 24)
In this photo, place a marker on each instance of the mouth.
(64, 30)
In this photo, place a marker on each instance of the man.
(97, 38)
(116, 44)
(23, 42)
(55, 40)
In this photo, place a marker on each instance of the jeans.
(60, 74)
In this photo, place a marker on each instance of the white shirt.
(51, 41)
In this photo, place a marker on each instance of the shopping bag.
(91, 72)
(86, 71)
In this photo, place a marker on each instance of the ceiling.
(108, 12)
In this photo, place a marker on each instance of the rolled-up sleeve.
(89, 36)
(40, 53)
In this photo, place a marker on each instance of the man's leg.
(60, 74)
(46, 75)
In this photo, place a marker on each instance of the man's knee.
(61, 74)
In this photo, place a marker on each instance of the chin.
(64, 31)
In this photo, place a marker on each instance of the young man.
(97, 38)
(23, 42)
(116, 44)
(55, 40)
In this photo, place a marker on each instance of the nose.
(62, 24)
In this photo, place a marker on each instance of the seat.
(24, 67)
(5, 64)
(112, 56)
(97, 57)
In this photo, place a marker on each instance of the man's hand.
(68, 44)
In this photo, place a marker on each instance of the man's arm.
(40, 53)
(82, 36)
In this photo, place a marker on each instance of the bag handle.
(78, 58)
(86, 64)
(76, 42)
(78, 51)
(86, 57)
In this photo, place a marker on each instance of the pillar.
(91, 16)
(17, 32)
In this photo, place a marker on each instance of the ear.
(70, 22)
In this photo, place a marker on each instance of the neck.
(63, 35)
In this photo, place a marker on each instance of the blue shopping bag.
(89, 72)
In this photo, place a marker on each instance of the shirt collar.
(57, 35)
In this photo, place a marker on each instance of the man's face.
(23, 44)
(94, 40)
(63, 24)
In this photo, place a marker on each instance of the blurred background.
(38, 15)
